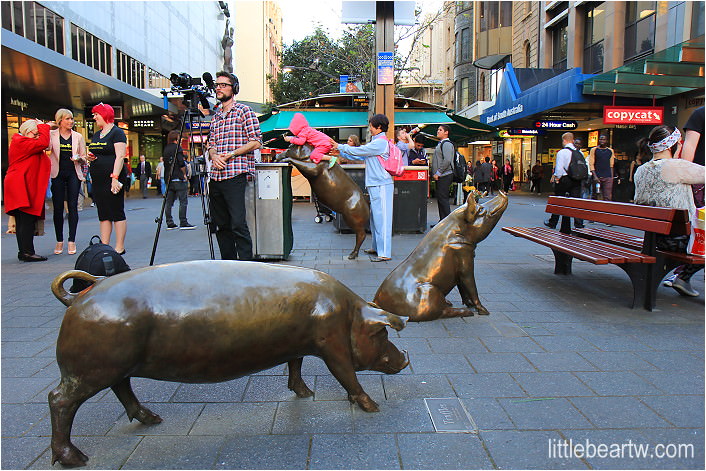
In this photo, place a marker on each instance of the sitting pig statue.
(206, 322)
(334, 188)
(442, 260)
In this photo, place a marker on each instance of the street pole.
(385, 42)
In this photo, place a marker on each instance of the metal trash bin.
(268, 200)
(409, 204)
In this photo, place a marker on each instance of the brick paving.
(559, 358)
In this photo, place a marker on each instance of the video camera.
(192, 88)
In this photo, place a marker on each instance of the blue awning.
(512, 103)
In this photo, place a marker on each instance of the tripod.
(193, 116)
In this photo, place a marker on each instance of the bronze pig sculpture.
(443, 259)
(207, 322)
(334, 188)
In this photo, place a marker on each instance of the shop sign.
(505, 113)
(198, 125)
(556, 125)
(19, 103)
(123, 125)
(386, 69)
(593, 139)
(514, 132)
(633, 114)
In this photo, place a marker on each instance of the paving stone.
(193, 452)
(452, 345)
(413, 345)
(617, 361)
(177, 420)
(272, 388)
(297, 417)
(617, 383)
(425, 330)
(18, 419)
(485, 385)
(617, 412)
(21, 390)
(682, 411)
(150, 390)
(102, 452)
(416, 386)
(264, 452)
(18, 453)
(312, 366)
(545, 414)
(487, 413)
(559, 361)
(250, 418)
(450, 451)
(327, 388)
(499, 362)
(505, 344)
(617, 344)
(564, 343)
(23, 367)
(437, 363)
(610, 449)
(685, 445)
(409, 416)
(22, 349)
(10, 334)
(552, 384)
(675, 382)
(526, 450)
(673, 361)
(359, 451)
(229, 391)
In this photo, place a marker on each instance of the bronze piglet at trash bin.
(207, 322)
(443, 259)
(334, 188)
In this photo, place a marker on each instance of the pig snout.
(393, 361)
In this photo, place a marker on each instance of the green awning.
(675, 70)
(317, 119)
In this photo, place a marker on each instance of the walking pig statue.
(206, 322)
(443, 259)
(334, 188)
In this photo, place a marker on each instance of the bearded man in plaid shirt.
(234, 135)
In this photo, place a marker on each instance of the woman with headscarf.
(68, 153)
(26, 184)
(106, 153)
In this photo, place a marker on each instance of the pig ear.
(373, 315)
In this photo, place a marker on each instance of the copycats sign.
(633, 114)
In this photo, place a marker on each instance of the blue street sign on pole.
(386, 68)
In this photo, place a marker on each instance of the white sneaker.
(683, 287)
(669, 280)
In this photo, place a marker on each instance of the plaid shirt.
(230, 131)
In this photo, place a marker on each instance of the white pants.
(381, 218)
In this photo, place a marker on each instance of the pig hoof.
(302, 390)
(364, 402)
(146, 417)
(352, 255)
(482, 311)
(69, 456)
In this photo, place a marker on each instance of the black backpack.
(577, 169)
(99, 260)
(459, 166)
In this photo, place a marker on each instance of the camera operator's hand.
(219, 161)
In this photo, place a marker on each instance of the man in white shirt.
(564, 184)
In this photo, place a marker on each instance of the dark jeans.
(536, 184)
(65, 187)
(566, 187)
(144, 183)
(177, 189)
(227, 198)
(443, 187)
(24, 231)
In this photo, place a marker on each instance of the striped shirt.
(230, 131)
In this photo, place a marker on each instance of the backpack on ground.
(577, 169)
(459, 166)
(98, 259)
(393, 164)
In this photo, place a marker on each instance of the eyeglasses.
(222, 85)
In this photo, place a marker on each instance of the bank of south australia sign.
(633, 115)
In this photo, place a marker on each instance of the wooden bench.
(638, 256)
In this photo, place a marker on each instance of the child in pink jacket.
(306, 134)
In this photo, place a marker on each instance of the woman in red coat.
(26, 184)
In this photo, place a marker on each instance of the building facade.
(258, 48)
(76, 54)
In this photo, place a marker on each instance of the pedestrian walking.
(563, 184)
(177, 185)
(442, 170)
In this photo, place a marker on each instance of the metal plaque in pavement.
(449, 415)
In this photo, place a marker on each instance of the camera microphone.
(208, 78)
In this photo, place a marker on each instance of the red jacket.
(27, 176)
(304, 133)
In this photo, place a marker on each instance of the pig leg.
(134, 409)
(359, 238)
(295, 382)
(339, 363)
(468, 290)
(433, 305)
(64, 401)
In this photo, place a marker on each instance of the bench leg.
(641, 287)
(562, 263)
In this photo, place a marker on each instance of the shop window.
(90, 50)
(458, 49)
(559, 45)
(34, 22)
(505, 14)
(639, 30)
(464, 95)
(496, 77)
(697, 19)
(130, 70)
(528, 54)
(594, 32)
(465, 44)
(481, 86)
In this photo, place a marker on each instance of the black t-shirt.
(104, 150)
(65, 162)
(696, 123)
(168, 154)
